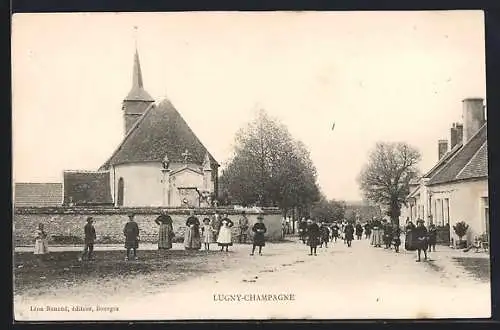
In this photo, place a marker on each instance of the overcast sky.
(380, 76)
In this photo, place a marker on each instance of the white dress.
(41, 243)
(225, 235)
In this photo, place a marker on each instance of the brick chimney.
(473, 117)
(442, 148)
(453, 136)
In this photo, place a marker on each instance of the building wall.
(147, 184)
(143, 184)
(466, 203)
(109, 222)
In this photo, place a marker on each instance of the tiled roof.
(478, 165)
(467, 162)
(160, 132)
(443, 161)
(87, 188)
(37, 194)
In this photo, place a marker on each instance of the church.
(160, 161)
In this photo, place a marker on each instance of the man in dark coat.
(349, 233)
(368, 230)
(131, 232)
(313, 236)
(90, 237)
(421, 237)
(388, 235)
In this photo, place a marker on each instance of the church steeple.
(137, 100)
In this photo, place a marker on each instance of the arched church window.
(121, 187)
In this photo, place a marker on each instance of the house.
(456, 188)
(38, 194)
(160, 161)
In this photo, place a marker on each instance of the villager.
(368, 230)
(41, 241)
(165, 232)
(325, 234)
(421, 237)
(192, 240)
(396, 241)
(259, 229)
(432, 237)
(243, 227)
(303, 230)
(208, 233)
(376, 240)
(225, 237)
(359, 231)
(313, 236)
(90, 237)
(335, 231)
(349, 234)
(131, 232)
(388, 235)
(409, 236)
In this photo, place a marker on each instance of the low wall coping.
(140, 210)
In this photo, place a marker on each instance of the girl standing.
(41, 242)
(259, 229)
(208, 233)
(225, 237)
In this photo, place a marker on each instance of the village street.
(341, 282)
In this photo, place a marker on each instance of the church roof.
(467, 162)
(87, 188)
(138, 93)
(160, 133)
(28, 194)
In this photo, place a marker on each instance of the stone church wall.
(109, 222)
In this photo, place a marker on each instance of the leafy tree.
(270, 168)
(328, 210)
(385, 178)
(460, 230)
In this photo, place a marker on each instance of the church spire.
(137, 100)
(137, 93)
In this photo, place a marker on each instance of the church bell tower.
(137, 100)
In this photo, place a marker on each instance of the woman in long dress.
(225, 237)
(313, 236)
(192, 239)
(41, 241)
(165, 232)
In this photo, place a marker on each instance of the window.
(486, 215)
(439, 213)
(446, 211)
(121, 188)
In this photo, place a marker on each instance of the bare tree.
(385, 178)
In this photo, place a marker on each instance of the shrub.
(460, 229)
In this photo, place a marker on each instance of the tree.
(270, 168)
(385, 178)
(328, 210)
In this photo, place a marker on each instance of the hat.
(131, 215)
(420, 221)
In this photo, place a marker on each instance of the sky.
(379, 76)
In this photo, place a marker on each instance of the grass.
(109, 274)
(478, 267)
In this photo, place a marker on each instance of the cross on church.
(186, 155)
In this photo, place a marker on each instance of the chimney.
(453, 136)
(473, 117)
(442, 148)
(460, 132)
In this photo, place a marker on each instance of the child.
(259, 229)
(41, 244)
(325, 235)
(225, 237)
(208, 233)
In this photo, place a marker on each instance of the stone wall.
(109, 222)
